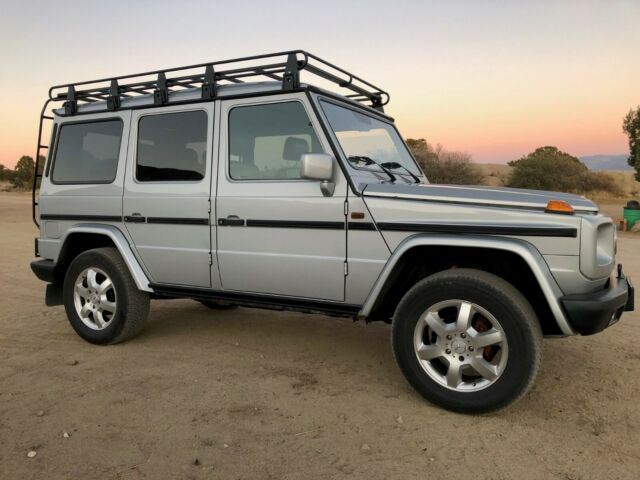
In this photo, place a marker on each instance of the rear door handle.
(135, 218)
(231, 221)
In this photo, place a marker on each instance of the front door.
(166, 200)
(276, 232)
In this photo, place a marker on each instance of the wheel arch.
(406, 262)
(81, 238)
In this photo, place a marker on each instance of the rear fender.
(121, 243)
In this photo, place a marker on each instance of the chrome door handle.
(135, 218)
(231, 221)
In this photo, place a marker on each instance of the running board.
(270, 302)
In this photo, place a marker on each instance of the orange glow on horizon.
(495, 81)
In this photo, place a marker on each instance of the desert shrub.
(23, 173)
(444, 166)
(600, 182)
(548, 168)
(5, 173)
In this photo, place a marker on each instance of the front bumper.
(45, 270)
(593, 312)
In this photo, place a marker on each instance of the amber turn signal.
(559, 206)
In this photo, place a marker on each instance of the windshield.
(368, 142)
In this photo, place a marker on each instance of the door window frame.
(258, 103)
(209, 139)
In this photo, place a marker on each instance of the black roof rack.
(284, 67)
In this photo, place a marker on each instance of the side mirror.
(316, 166)
(319, 166)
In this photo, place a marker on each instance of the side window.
(87, 152)
(172, 147)
(267, 141)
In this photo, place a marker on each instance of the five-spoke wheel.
(461, 345)
(103, 303)
(467, 340)
(94, 297)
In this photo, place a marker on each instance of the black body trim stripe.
(82, 218)
(362, 226)
(178, 221)
(296, 224)
(258, 301)
(480, 229)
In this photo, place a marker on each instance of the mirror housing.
(316, 166)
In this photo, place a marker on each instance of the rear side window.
(172, 147)
(266, 142)
(87, 152)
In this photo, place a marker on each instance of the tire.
(111, 313)
(483, 366)
(217, 306)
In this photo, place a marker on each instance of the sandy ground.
(255, 394)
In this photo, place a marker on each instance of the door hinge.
(209, 205)
(346, 208)
(210, 259)
(346, 268)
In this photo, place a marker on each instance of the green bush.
(444, 166)
(548, 168)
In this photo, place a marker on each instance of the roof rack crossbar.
(283, 67)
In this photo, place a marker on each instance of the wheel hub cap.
(459, 347)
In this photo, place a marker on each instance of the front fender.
(525, 250)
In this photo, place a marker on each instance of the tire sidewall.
(518, 329)
(80, 263)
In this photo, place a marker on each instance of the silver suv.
(235, 184)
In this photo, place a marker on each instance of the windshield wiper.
(396, 165)
(368, 161)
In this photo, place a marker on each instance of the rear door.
(166, 202)
(276, 232)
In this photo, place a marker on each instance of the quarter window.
(172, 147)
(87, 152)
(267, 141)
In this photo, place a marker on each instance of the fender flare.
(525, 250)
(121, 243)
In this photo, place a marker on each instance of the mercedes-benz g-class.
(236, 184)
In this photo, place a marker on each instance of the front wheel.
(467, 340)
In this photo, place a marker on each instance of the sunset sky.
(493, 78)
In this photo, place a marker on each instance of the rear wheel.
(101, 299)
(467, 340)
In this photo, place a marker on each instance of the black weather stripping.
(178, 221)
(296, 224)
(480, 229)
(82, 218)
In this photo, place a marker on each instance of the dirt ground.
(258, 395)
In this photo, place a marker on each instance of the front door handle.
(135, 218)
(231, 221)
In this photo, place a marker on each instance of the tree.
(23, 173)
(444, 166)
(631, 126)
(5, 173)
(548, 168)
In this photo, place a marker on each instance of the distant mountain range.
(606, 162)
